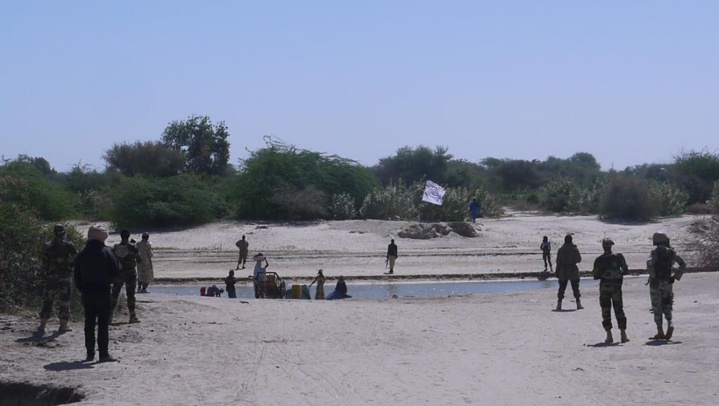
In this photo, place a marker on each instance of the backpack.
(663, 261)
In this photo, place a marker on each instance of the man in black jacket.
(95, 269)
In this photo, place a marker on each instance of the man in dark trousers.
(610, 269)
(391, 255)
(95, 269)
(567, 270)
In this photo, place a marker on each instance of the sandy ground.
(357, 248)
(490, 349)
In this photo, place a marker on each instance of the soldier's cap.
(607, 242)
(59, 229)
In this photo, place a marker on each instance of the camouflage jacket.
(58, 257)
(128, 254)
(610, 268)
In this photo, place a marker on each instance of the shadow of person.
(657, 343)
(564, 310)
(603, 344)
(67, 366)
(40, 337)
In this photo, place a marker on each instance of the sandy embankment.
(357, 248)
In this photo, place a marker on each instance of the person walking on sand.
(546, 248)
(474, 209)
(230, 282)
(57, 267)
(259, 275)
(320, 279)
(129, 257)
(610, 269)
(145, 273)
(662, 276)
(391, 255)
(96, 267)
(567, 271)
(244, 247)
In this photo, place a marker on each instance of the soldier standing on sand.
(610, 269)
(145, 273)
(129, 256)
(244, 247)
(57, 264)
(661, 281)
(567, 271)
(391, 255)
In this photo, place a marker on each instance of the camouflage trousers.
(662, 295)
(611, 294)
(129, 279)
(563, 288)
(59, 289)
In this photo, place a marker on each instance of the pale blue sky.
(628, 81)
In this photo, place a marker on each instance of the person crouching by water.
(320, 279)
(230, 282)
(259, 275)
(340, 291)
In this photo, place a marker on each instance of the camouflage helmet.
(59, 229)
(660, 238)
(607, 243)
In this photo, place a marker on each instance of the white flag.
(433, 193)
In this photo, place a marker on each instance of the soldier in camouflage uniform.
(661, 281)
(57, 264)
(129, 256)
(567, 271)
(610, 268)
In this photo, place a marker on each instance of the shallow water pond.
(404, 289)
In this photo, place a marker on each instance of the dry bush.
(705, 243)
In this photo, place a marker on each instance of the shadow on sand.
(657, 343)
(68, 366)
(39, 337)
(603, 344)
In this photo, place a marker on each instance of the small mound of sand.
(429, 231)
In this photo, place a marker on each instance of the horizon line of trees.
(184, 178)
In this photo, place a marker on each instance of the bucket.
(296, 291)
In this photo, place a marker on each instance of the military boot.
(64, 327)
(670, 331)
(609, 338)
(660, 334)
(579, 304)
(41, 327)
(559, 305)
(625, 339)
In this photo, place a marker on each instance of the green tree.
(179, 201)
(283, 182)
(149, 158)
(21, 183)
(413, 165)
(627, 199)
(205, 146)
